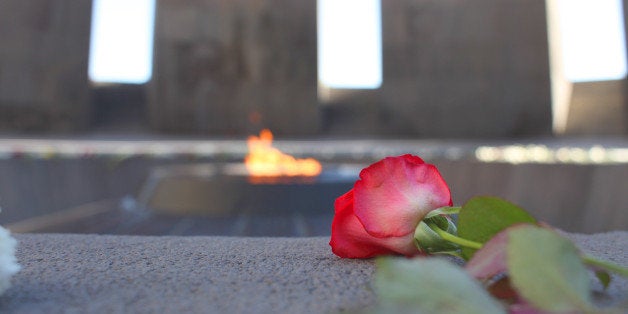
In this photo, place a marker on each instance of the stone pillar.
(43, 64)
(231, 67)
(455, 68)
(598, 108)
(625, 11)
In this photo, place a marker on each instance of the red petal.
(490, 260)
(527, 308)
(350, 240)
(394, 195)
(502, 289)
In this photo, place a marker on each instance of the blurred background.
(125, 117)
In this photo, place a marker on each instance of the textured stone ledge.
(139, 274)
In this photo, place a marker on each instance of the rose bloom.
(379, 215)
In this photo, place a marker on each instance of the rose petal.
(350, 240)
(523, 307)
(490, 260)
(394, 194)
(503, 290)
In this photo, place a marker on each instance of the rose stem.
(454, 239)
(587, 259)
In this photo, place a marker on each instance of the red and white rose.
(380, 214)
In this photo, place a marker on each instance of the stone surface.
(460, 69)
(108, 274)
(575, 197)
(123, 274)
(457, 69)
(43, 65)
(598, 108)
(450, 69)
(231, 67)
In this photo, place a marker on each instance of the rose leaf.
(429, 285)
(482, 217)
(547, 271)
(604, 277)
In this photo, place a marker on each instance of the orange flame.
(263, 160)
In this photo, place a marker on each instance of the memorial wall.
(227, 68)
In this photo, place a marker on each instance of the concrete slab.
(134, 274)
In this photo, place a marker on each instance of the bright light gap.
(593, 39)
(350, 44)
(121, 46)
(349, 51)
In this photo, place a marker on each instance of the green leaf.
(603, 277)
(605, 265)
(429, 285)
(482, 217)
(547, 271)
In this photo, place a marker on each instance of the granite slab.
(70, 273)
